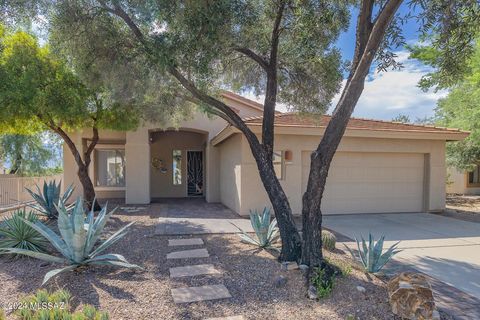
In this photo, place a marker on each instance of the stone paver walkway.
(188, 226)
(194, 294)
(228, 318)
(185, 242)
(190, 271)
(188, 254)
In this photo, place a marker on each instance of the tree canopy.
(34, 154)
(461, 108)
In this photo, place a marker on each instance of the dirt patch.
(463, 207)
(248, 274)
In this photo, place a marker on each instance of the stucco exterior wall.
(254, 196)
(457, 183)
(107, 137)
(230, 172)
(162, 146)
(139, 152)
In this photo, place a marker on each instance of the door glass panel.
(177, 167)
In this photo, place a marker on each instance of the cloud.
(388, 94)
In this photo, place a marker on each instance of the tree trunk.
(82, 164)
(369, 36)
(291, 242)
(87, 185)
(16, 165)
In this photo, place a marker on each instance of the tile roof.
(293, 119)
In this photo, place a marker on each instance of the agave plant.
(47, 200)
(15, 233)
(371, 256)
(267, 232)
(77, 239)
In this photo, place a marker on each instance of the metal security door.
(195, 173)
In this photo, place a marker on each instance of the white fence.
(12, 188)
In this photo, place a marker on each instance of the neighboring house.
(379, 167)
(463, 182)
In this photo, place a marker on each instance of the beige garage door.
(371, 182)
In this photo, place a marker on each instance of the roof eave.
(350, 132)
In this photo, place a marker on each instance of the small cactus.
(328, 240)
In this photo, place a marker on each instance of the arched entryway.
(177, 163)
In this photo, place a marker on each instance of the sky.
(391, 93)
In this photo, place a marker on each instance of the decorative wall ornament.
(158, 164)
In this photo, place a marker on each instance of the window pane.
(110, 168)
(177, 167)
(278, 163)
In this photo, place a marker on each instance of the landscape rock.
(361, 289)
(312, 293)
(411, 297)
(303, 267)
(289, 265)
(280, 281)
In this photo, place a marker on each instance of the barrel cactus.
(328, 240)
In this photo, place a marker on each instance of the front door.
(195, 173)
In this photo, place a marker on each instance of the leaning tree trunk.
(82, 164)
(368, 38)
(87, 186)
(291, 242)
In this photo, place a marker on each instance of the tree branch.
(233, 117)
(268, 122)
(252, 55)
(364, 27)
(118, 11)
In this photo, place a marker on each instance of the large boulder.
(411, 297)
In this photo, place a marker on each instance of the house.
(463, 182)
(379, 167)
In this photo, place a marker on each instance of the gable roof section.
(293, 122)
(244, 101)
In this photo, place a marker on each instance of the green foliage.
(266, 231)
(371, 256)
(448, 36)
(41, 92)
(328, 240)
(77, 239)
(461, 109)
(202, 39)
(323, 279)
(27, 155)
(55, 306)
(2, 313)
(48, 200)
(15, 233)
(402, 118)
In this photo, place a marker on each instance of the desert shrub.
(2, 315)
(328, 240)
(266, 231)
(55, 306)
(371, 256)
(16, 233)
(76, 242)
(323, 278)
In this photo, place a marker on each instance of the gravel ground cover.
(250, 276)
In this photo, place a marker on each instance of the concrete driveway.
(445, 248)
